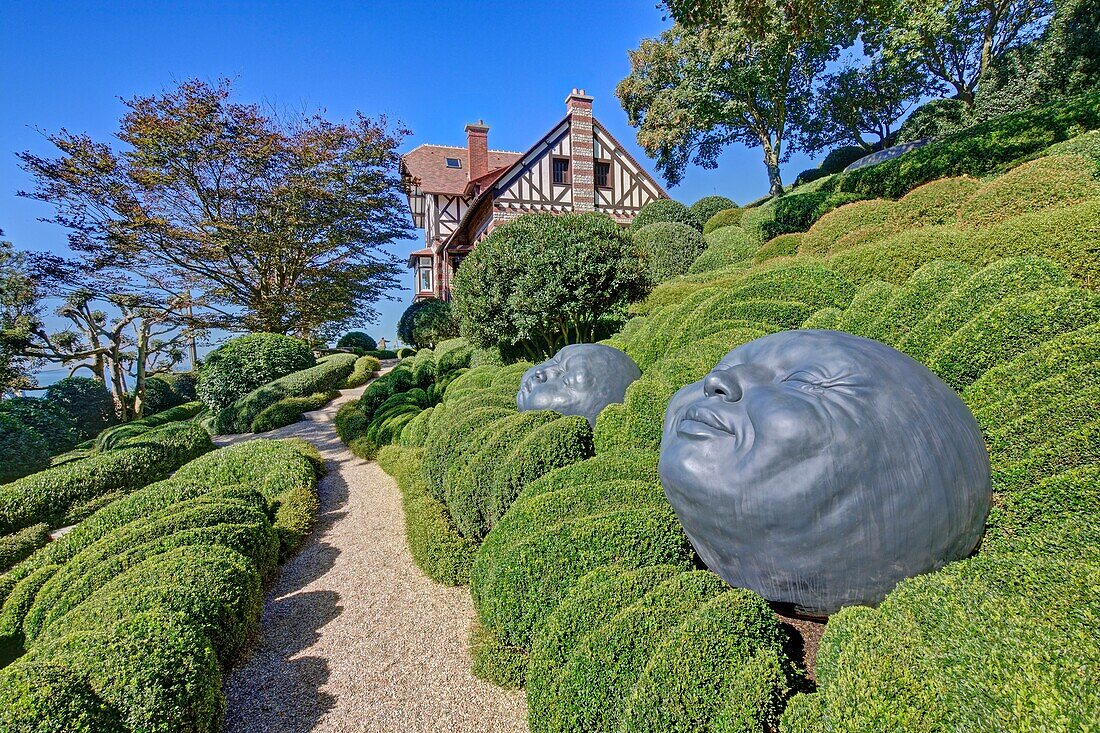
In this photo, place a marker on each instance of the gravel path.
(353, 636)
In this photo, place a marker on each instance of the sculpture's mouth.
(700, 422)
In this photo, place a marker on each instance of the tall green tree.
(274, 225)
(954, 41)
(692, 92)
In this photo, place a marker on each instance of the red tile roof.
(427, 165)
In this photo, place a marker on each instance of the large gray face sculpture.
(581, 379)
(819, 468)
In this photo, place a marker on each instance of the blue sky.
(434, 66)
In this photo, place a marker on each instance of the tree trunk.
(139, 368)
(775, 181)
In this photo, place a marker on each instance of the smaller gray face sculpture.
(581, 379)
(819, 469)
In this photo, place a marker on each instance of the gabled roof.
(427, 166)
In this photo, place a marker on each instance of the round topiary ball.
(665, 210)
(87, 401)
(159, 396)
(708, 206)
(242, 364)
(49, 420)
(357, 340)
(668, 248)
(22, 450)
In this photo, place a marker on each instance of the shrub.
(979, 150)
(897, 257)
(427, 322)
(785, 245)
(117, 435)
(866, 308)
(184, 384)
(935, 118)
(242, 364)
(708, 206)
(797, 212)
(665, 210)
(158, 396)
(935, 202)
(357, 340)
(415, 431)
(48, 495)
(1046, 183)
(49, 420)
(16, 547)
(668, 248)
(980, 292)
(725, 218)
(1013, 326)
(725, 246)
(22, 450)
(87, 401)
(822, 237)
(288, 411)
(1087, 145)
(840, 158)
(1014, 624)
(362, 371)
(542, 280)
(328, 375)
(807, 176)
(435, 545)
(912, 301)
(495, 661)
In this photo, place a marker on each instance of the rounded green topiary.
(1046, 183)
(357, 340)
(668, 248)
(665, 210)
(242, 364)
(22, 450)
(840, 158)
(87, 401)
(46, 418)
(158, 397)
(726, 246)
(724, 218)
(708, 206)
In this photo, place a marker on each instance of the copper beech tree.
(272, 224)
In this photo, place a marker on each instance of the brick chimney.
(477, 146)
(581, 150)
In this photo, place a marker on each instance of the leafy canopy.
(543, 281)
(277, 224)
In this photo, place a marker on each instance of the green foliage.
(797, 212)
(436, 546)
(708, 207)
(542, 281)
(23, 450)
(115, 436)
(426, 323)
(985, 148)
(785, 245)
(667, 210)
(726, 246)
(496, 662)
(935, 202)
(158, 396)
(17, 546)
(934, 119)
(48, 495)
(725, 218)
(46, 418)
(363, 370)
(184, 384)
(986, 644)
(357, 340)
(289, 410)
(87, 401)
(822, 237)
(242, 364)
(668, 248)
(328, 375)
(840, 158)
(1046, 183)
(912, 301)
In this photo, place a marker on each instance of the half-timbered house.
(458, 195)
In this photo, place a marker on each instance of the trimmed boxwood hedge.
(1038, 185)
(115, 436)
(288, 411)
(821, 238)
(665, 210)
(910, 303)
(245, 363)
(18, 545)
(328, 375)
(23, 450)
(935, 202)
(364, 369)
(724, 218)
(49, 420)
(726, 246)
(668, 248)
(709, 206)
(48, 495)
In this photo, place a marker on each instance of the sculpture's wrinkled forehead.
(792, 350)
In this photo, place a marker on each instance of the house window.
(561, 171)
(603, 174)
(454, 163)
(423, 274)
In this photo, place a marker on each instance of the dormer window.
(454, 162)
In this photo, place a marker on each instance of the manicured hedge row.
(436, 546)
(726, 246)
(114, 436)
(49, 420)
(328, 375)
(130, 619)
(288, 411)
(23, 450)
(18, 545)
(668, 248)
(976, 151)
(724, 218)
(365, 368)
(48, 495)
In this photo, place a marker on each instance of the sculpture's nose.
(724, 384)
